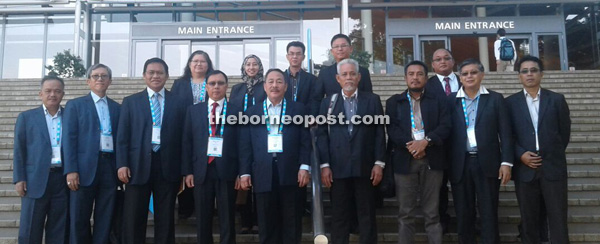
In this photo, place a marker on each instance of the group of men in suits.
(446, 127)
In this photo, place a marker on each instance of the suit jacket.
(195, 142)
(236, 97)
(134, 139)
(182, 89)
(434, 85)
(352, 155)
(492, 131)
(329, 84)
(308, 87)
(81, 137)
(32, 152)
(257, 162)
(554, 131)
(436, 120)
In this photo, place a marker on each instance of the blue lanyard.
(58, 131)
(297, 83)
(246, 101)
(280, 118)
(162, 109)
(464, 105)
(412, 115)
(109, 132)
(221, 119)
(202, 89)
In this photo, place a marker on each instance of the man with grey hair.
(352, 155)
(89, 147)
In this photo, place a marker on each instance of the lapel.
(113, 112)
(339, 108)
(458, 109)
(544, 103)
(40, 119)
(425, 111)
(522, 104)
(89, 102)
(360, 110)
(145, 109)
(167, 109)
(481, 106)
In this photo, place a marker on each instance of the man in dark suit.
(541, 128)
(302, 86)
(274, 159)
(210, 159)
(149, 155)
(341, 48)
(352, 155)
(442, 84)
(419, 125)
(38, 168)
(482, 153)
(90, 123)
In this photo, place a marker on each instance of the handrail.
(317, 201)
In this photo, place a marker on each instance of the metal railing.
(317, 201)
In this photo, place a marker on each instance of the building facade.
(386, 34)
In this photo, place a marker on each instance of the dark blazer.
(236, 97)
(81, 137)
(329, 84)
(352, 155)
(434, 85)
(308, 91)
(492, 131)
(554, 131)
(195, 141)
(32, 152)
(436, 120)
(257, 162)
(183, 89)
(134, 142)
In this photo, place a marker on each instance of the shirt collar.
(47, 113)
(289, 71)
(220, 102)
(151, 92)
(527, 94)
(452, 76)
(269, 103)
(461, 92)
(96, 97)
(355, 94)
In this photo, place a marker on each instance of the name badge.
(275, 143)
(55, 155)
(156, 135)
(106, 143)
(472, 139)
(215, 147)
(418, 135)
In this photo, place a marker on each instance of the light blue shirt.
(161, 99)
(52, 123)
(103, 113)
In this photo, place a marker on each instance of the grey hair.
(471, 61)
(88, 74)
(348, 61)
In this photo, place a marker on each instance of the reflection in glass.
(403, 53)
(144, 50)
(231, 58)
(153, 17)
(464, 47)
(428, 48)
(24, 47)
(110, 42)
(60, 36)
(548, 46)
(280, 52)
(176, 56)
(262, 50)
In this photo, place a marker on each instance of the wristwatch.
(429, 143)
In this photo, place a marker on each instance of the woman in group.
(191, 86)
(245, 95)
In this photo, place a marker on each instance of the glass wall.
(324, 25)
(110, 42)
(24, 47)
(60, 36)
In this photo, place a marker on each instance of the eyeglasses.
(216, 83)
(527, 71)
(340, 46)
(198, 61)
(99, 77)
(437, 60)
(473, 73)
(157, 73)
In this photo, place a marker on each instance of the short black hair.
(217, 72)
(295, 44)
(469, 62)
(274, 70)
(98, 66)
(501, 32)
(532, 59)
(52, 77)
(416, 62)
(338, 36)
(156, 60)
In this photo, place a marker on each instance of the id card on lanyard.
(56, 154)
(275, 141)
(215, 143)
(417, 134)
(155, 126)
(470, 130)
(106, 139)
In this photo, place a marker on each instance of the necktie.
(447, 87)
(157, 116)
(213, 126)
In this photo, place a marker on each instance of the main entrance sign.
(217, 30)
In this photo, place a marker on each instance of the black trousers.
(476, 190)
(552, 194)
(102, 192)
(205, 194)
(136, 203)
(185, 202)
(345, 193)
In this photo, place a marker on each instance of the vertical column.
(344, 21)
(76, 32)
(87, 50)
(367, 31)
(483, 44)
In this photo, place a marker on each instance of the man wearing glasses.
(90, 127)
(542, 128)
(302, 86)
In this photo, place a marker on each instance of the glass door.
(403, 52)
(176, 53)
(429, 45)
(549, 50)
